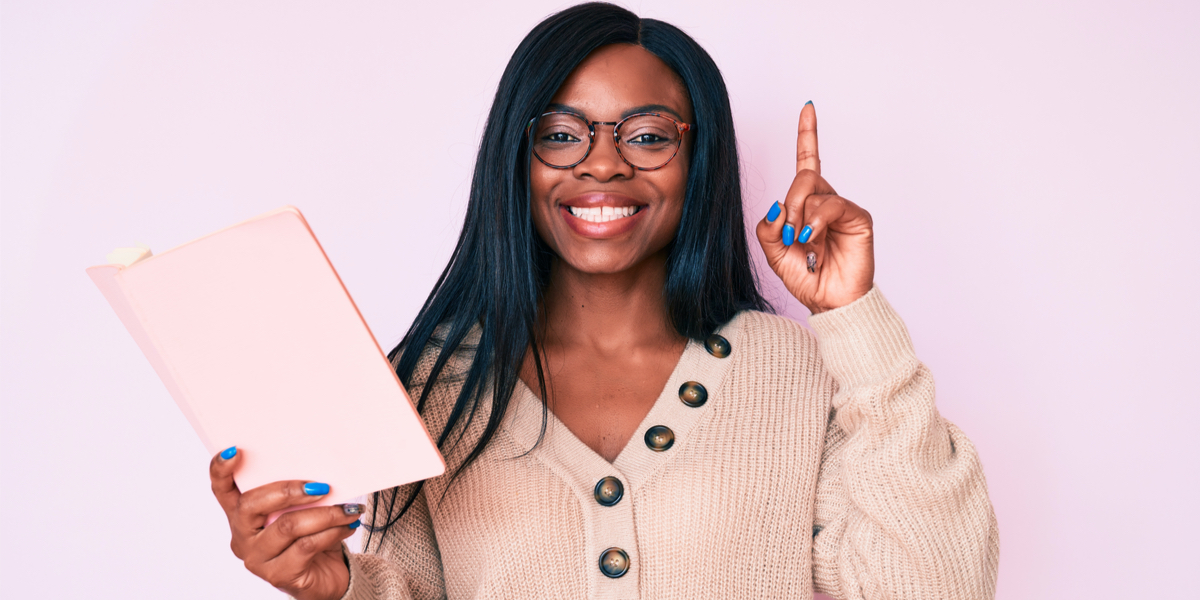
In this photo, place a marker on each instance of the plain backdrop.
(1031, 167)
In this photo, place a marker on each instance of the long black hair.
(500, 266)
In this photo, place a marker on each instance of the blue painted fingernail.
(354, 525)
(789, 235)
(807, 103)
(773, 213)
(805, 234)
(229, 453)
(316, 489)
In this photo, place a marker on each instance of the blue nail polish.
(805, 234)
(789, 235)
(229, 453)
(354, 525)
(807, 103)
(773, 213)
(316, 489)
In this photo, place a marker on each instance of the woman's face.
(611, 83)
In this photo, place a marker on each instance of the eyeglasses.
(645, 141)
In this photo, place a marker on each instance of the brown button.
(693, 394)
(659, 438)
(614, 562)
(717, 346)
(608, 491)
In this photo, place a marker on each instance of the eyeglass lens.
(646, 141)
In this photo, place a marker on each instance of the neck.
(609, 312)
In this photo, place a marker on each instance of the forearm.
(902, 507)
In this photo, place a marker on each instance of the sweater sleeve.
(902, 510)
(404, 563)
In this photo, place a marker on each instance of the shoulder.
(775, 357)
(456, 363)
(440, 372)
(763, 335)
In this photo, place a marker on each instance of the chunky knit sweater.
(768, 467)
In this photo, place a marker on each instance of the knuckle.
(306, 545)
(294, 491)
(286, 526)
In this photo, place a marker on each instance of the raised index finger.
(806, 140)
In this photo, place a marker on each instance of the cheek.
(676, 187)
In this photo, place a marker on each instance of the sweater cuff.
(864, 342)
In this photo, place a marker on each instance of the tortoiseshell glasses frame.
(616, 125)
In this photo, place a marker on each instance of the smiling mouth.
(603, 214)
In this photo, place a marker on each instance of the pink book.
(258, 341)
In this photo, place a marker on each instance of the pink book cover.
(261, 346)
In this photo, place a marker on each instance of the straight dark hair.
(500, 266)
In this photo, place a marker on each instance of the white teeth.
(602, 214)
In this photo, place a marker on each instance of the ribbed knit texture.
(811, 464)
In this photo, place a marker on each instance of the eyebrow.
(633, 111)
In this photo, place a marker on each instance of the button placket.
(611, 524)
(694, 383)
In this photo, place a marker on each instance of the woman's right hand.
(301, 552)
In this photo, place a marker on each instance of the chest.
(602, 397)
(726, 510)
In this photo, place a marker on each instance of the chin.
(599, 267)
(601, 262)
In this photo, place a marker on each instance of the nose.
(603, 162)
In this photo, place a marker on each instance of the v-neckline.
(641, 426)
(560, 446)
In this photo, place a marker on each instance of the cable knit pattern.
(812, 464)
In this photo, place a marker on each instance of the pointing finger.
(807, 156)
(806, 183)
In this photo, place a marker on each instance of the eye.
(647, 138)
(558, 137)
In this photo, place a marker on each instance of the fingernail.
(807, 103)
(773, 213)
(805, 234)
(789, 235)
(354, 525)
(229, 453)
(316, 489)
(353, 509)
(812, 262)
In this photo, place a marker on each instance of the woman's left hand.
(820, 244)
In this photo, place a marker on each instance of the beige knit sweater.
(815, 462)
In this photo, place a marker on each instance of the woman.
(619, 416)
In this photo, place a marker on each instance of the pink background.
(1030, 166)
